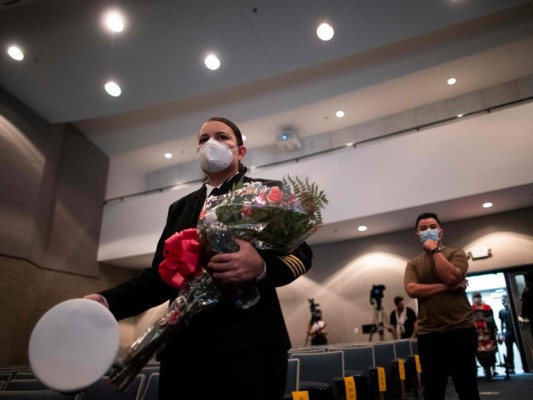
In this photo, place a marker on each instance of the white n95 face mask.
(214, 156)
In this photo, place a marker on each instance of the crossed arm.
(452, 277)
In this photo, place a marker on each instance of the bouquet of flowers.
(270, 217)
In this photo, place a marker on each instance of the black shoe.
(488, 375)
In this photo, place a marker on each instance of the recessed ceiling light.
(460, 115)
(339, 114)
(325, 32)
(488, 204)
(362, 228)
(168, 156)
(113, 89)
(212, 62)
(15, 53)
(114, 21)
(452, 81)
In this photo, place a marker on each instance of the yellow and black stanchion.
(353, 387)
(300, 395)
(350, 390)
(382, 383)
(418, 369)
(414, 375)
(399, 379)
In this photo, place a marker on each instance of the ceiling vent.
(288, 140)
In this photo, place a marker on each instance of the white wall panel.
(441, 163)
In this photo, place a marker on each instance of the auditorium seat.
(358, 361)
(414, 346)
(104, 390)
(293, 377)
(152, 387)
(25, 375)
(403, 348)
(147, 371)
(385, 355)
(25, 384)
(318, 372)
(35, 395)
(307, 350)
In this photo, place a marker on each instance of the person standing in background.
(486, 335)
(507, 329)
(318, 330)
(447, 340)
(403, 323)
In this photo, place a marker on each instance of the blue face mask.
(429, 234)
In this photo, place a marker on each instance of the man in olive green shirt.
(447, 341)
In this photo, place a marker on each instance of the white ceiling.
(387, 56)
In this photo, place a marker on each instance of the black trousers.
(255, 374)
(449, 354)
(509, 354)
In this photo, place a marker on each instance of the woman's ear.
(242, 152)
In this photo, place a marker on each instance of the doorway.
(493, 287)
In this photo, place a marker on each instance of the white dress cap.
(73, 345)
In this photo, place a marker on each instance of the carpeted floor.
(517, 387)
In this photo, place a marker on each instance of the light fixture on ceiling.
(288, 140)
(362, 228)
(168, 156)
(212, 62)
(487, 204)
(114, 21)
(452, 81)
(339, 114)
(15, 53)
(113, 89)
(325, 32)
(460, 115)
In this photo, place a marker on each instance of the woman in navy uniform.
(225, 351)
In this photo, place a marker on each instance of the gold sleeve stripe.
(294, 263)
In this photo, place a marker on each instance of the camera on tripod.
(376, 295)
(316, 330)
(315, 311)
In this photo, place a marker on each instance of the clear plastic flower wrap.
(197, 292)
(270, 217)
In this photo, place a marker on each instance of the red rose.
(274, 195)
(246, 211)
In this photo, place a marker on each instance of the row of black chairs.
(381, 370)
(21, 384)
